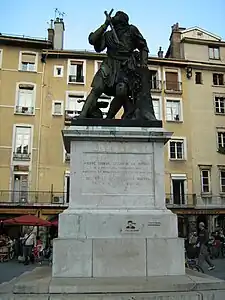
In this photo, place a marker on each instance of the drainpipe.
(40, 125)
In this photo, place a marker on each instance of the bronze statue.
(124, 73)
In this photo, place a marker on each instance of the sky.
(154, 18)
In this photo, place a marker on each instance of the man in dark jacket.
(202, 242)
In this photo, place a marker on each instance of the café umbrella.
(29, 220)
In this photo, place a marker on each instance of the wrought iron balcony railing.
(173, 86)
(76, 79)
(11, 197)
(24, 110)
(208, 200)
(156, 85)
(180, 200)
(21, 156)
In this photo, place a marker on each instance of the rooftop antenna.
(59, 14)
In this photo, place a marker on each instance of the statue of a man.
(116, 75)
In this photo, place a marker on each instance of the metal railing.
(22, 36)
(21, 156)
(156, 85)
(70, 114)
(172, 86)
(180, 200)
(24, 110)
(210, 201)
(24, 198)
(74, 79)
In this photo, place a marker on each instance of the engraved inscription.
(154, 223)
(114, 173)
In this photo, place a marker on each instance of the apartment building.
(43, 86)
(204, 53)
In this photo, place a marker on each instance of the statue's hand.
(107, 20)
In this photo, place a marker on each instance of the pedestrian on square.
(202, 243)
(29, 241)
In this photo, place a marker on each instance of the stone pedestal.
(117, 224)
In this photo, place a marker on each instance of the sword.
(111, 25)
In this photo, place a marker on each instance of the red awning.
(55, 223)
(29, 220)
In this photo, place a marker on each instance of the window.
(106, 100)
(76, 71)
(172, 83)
(205, 181)
(221, 139)
(97, 65)
(58, 71)
(173, 110)
(28, 61)
(155, 83)
(177, 149)
(218, 79)
(67, 186)
(25, 99)
(198, 77)
(214, 53)
(157, 108)
(1, 55)
(22, 143)
(222, 181)
(74, 104)
(66, 157)
(57, 108)
(220, 104)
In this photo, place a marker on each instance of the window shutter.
(171, 81)
(28, 58)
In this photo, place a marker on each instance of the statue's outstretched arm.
(97, 38)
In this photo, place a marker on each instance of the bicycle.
(192, 264)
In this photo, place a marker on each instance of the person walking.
(29, 241)
(202, 242)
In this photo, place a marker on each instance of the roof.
(21, 40)
(203, 31)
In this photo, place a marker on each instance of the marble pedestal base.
(117, 224)
(118, 257)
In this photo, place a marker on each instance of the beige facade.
(205, 92)
(39, 92)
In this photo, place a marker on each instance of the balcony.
(24, 110)
(156, 85)
(76, 79)
(21, 156)
(26, 198)
(210, 201)
(180, 200)
(173, 87)
(69, 115)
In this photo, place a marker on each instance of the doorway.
(20, 188)
(178, 189)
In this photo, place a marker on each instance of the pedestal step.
(118, 257)
(117, 224)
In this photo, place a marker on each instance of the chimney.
(160, 52)
(51, 33)
(58, 33)
(175, 41)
